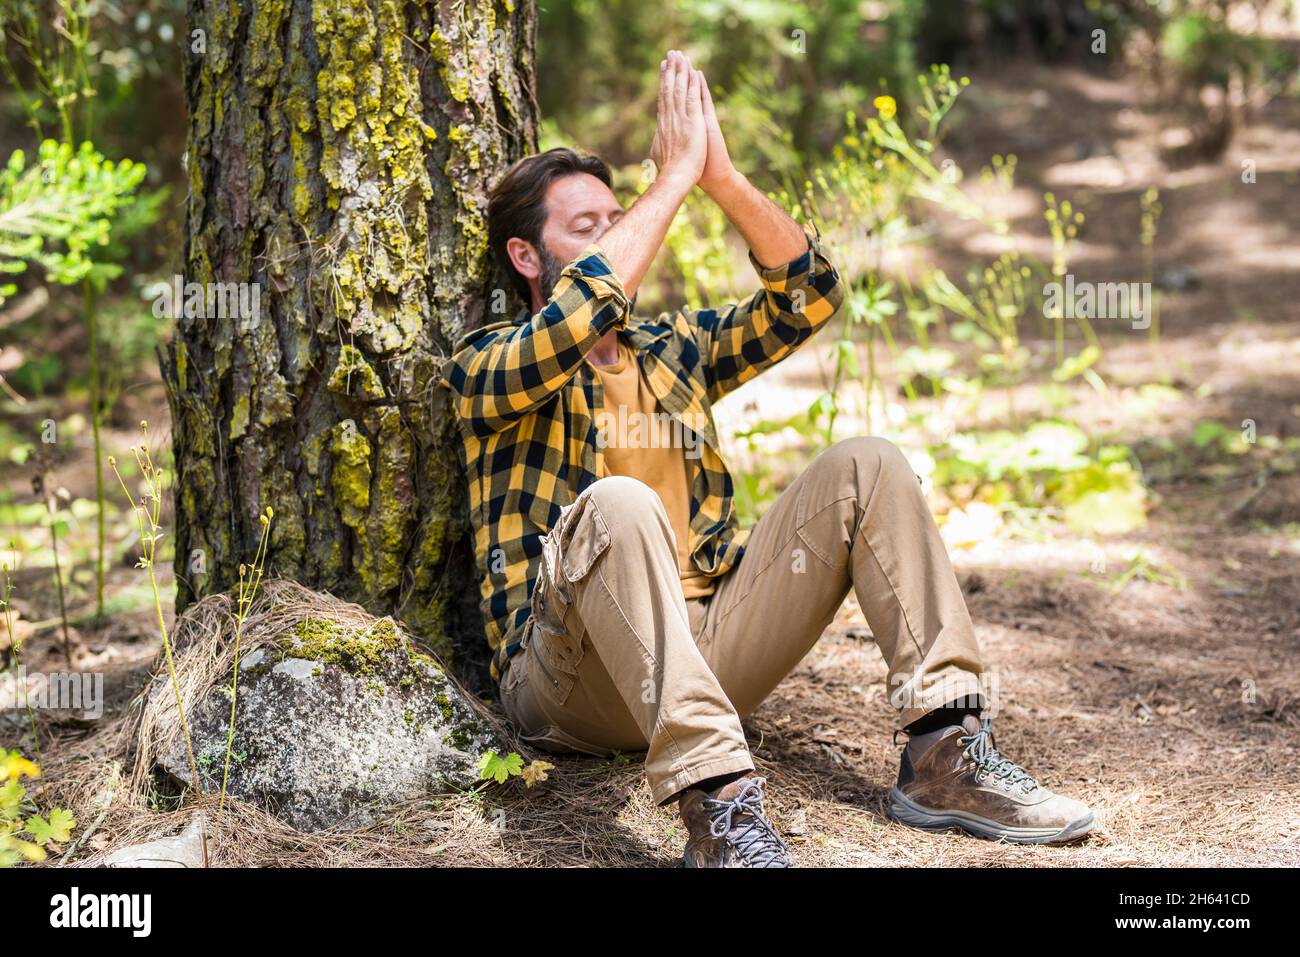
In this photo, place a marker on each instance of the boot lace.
(980, 749)
(756, 842)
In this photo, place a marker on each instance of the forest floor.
(1153, 674)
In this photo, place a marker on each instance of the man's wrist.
(721, 189)
(675, 180)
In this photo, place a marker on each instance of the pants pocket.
(515, 668)
(583, 537)
(569, 549)
(527, 681)
(557, 650)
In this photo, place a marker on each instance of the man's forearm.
(632, 243)
(773, 236)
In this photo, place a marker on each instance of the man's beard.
(551, 268)
(550, 274)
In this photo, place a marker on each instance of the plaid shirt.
(529, 409)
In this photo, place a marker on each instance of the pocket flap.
(583, 538)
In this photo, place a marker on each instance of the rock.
(334, 721)
(1092, 149)
(1178, 279)
(183, 850)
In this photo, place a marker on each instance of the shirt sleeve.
(498, 376)
(741, 340)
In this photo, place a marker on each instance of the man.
(617, 603)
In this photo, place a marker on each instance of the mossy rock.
(335, 721)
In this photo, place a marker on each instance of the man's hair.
(517, 207)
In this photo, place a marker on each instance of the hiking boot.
(727, 828)
(962, 782)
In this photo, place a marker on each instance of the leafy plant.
(57, 211)
(55, 214)
(1063, 222)
(878, 172)
(870, 306)
(494, 767)
(1047, 465)
(65, 65)
(19, 815)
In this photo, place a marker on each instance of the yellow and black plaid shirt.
(529, 409)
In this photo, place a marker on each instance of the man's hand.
(772, 235)
(681, 140)
(718, 170)
(679, 150)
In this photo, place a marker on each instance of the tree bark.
(339, 156)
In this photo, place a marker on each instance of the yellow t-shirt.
(642, 441)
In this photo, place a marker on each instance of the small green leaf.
(11, 798)
(1207, 432)
(494, 767)
(58, 828)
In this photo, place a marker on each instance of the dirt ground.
(1170, 702)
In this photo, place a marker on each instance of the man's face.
(579, 209)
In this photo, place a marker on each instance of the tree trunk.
(339, 156)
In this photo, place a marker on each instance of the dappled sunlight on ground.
(1152, 673)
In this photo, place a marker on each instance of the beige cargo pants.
(615, 658)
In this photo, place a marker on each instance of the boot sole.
(907, 812)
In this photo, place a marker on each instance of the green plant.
(878, 172)
(869, 306)
(862, 194)
(148, 515)
(993, 303)
(1063, 222)
(938, 94)
(1000, 174)
(697, 239)
(55, 500)
(64, 63)
(56, 214)
(19, 815)
(867, 196)
(494, 767)
(57, 211)
(1050, 465)
(757, 483)
(1141, 566)
(57, 49)
(249, 581)
(15, 649)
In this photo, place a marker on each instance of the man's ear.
(523, 255)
